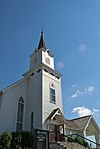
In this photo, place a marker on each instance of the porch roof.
(87, 124)
(57, 116)
(81, 122)
(71, 125)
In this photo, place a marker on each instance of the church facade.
(28, 102)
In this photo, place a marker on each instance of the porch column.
(63, 133)
(84, 133)
(97, 140)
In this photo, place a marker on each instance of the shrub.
(70, 139)
(16, 140)
(78, 140)
(82, 142)
(27, 139)
(85, 143)
(5, 140)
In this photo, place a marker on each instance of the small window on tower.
(47, 60)
(52, 95)
(35, 60)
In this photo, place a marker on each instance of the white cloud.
(74, 85)
(60, 65)
(76, 94)
(96, 110)
(82, 111)
(89, 90)
(82, 47)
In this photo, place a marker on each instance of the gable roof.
(81, 122)
(75, 124)
(88, 124)
(71, 124)
(52, 113)
(56, 114)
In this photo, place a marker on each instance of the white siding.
(8, 110)
(34, 101)
(36, 55)
(46, 55)
(47, 105)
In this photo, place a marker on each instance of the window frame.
(52, 88)
(20, 114)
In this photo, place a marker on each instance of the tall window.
(19, 126)
(32, 121)
(52, 95)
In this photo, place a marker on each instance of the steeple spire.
(41, 42)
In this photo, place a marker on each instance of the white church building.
(35, 101)
(29, 101)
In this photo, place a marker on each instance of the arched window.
(19, 126)
(32, 121)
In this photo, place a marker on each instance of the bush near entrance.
(5, 140)
(15, 140)
(78, 140)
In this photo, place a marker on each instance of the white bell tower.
(41, 55)
(44, 85)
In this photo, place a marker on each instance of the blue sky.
(71, 32)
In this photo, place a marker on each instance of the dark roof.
(41, 42)
(71, 124)
(81, 122)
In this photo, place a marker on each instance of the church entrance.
(56, 133)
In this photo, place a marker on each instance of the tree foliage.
(6, 140)
(15, 140)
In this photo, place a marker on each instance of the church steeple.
(41, 55)
(41, 42)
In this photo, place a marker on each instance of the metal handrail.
(77, 135)
(83, 138)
